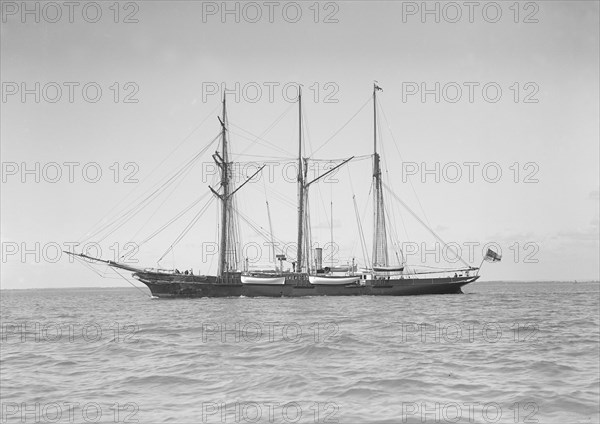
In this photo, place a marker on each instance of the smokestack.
(319, 258)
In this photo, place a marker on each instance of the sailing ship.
(378, 277)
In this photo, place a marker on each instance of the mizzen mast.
(300, 186)
(380, 250)
(225, 199)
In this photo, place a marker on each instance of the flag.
(492, 256)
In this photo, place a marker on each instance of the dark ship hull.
(296, 285)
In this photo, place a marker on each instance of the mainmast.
(303, 186)
(380, 251)
(300, 186)
(225, 198)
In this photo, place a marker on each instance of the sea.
(502, 352)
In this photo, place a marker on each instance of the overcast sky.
(509, 89)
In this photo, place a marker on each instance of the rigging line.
(364, 214)
(260, 230)
(323, 205)
(127, 215)
(89, 266)
(401, 220)
(382, 145)
(288, 158)
(186, 138)
(183, 168)
(174, 219)
(343, 126)
(215, 237)
(354, 159)
(270, 127)
(394, 234)
(95, 270)
(188, 227)
(350, 179)
(187, 164)
(442, 268)
(123, 219)
(270, 223)
(391, 223)
(353, 199)
(402, 159)
(305, 127)
(265, 132)
(425, 225)
(308, 238)
(261, 142)
(255, 164)
(158, 166)
(133, 206)
(281, 197)
(162, 203)
(331, 220)
(392, 206)
(363, 242)
(324, 208)
(139, 288)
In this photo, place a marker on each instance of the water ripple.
(525, 351)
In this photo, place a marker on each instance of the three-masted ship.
(308, 277)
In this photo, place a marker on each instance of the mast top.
(376, 88)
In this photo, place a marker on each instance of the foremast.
(380, 249)
(301, 187)
(228, 256)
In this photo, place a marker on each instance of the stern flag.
(492, 256)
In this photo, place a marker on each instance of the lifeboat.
(331, 280)
(399, 268)
(271, 280)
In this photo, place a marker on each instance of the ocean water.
(502, 352)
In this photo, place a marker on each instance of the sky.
(488, 120)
